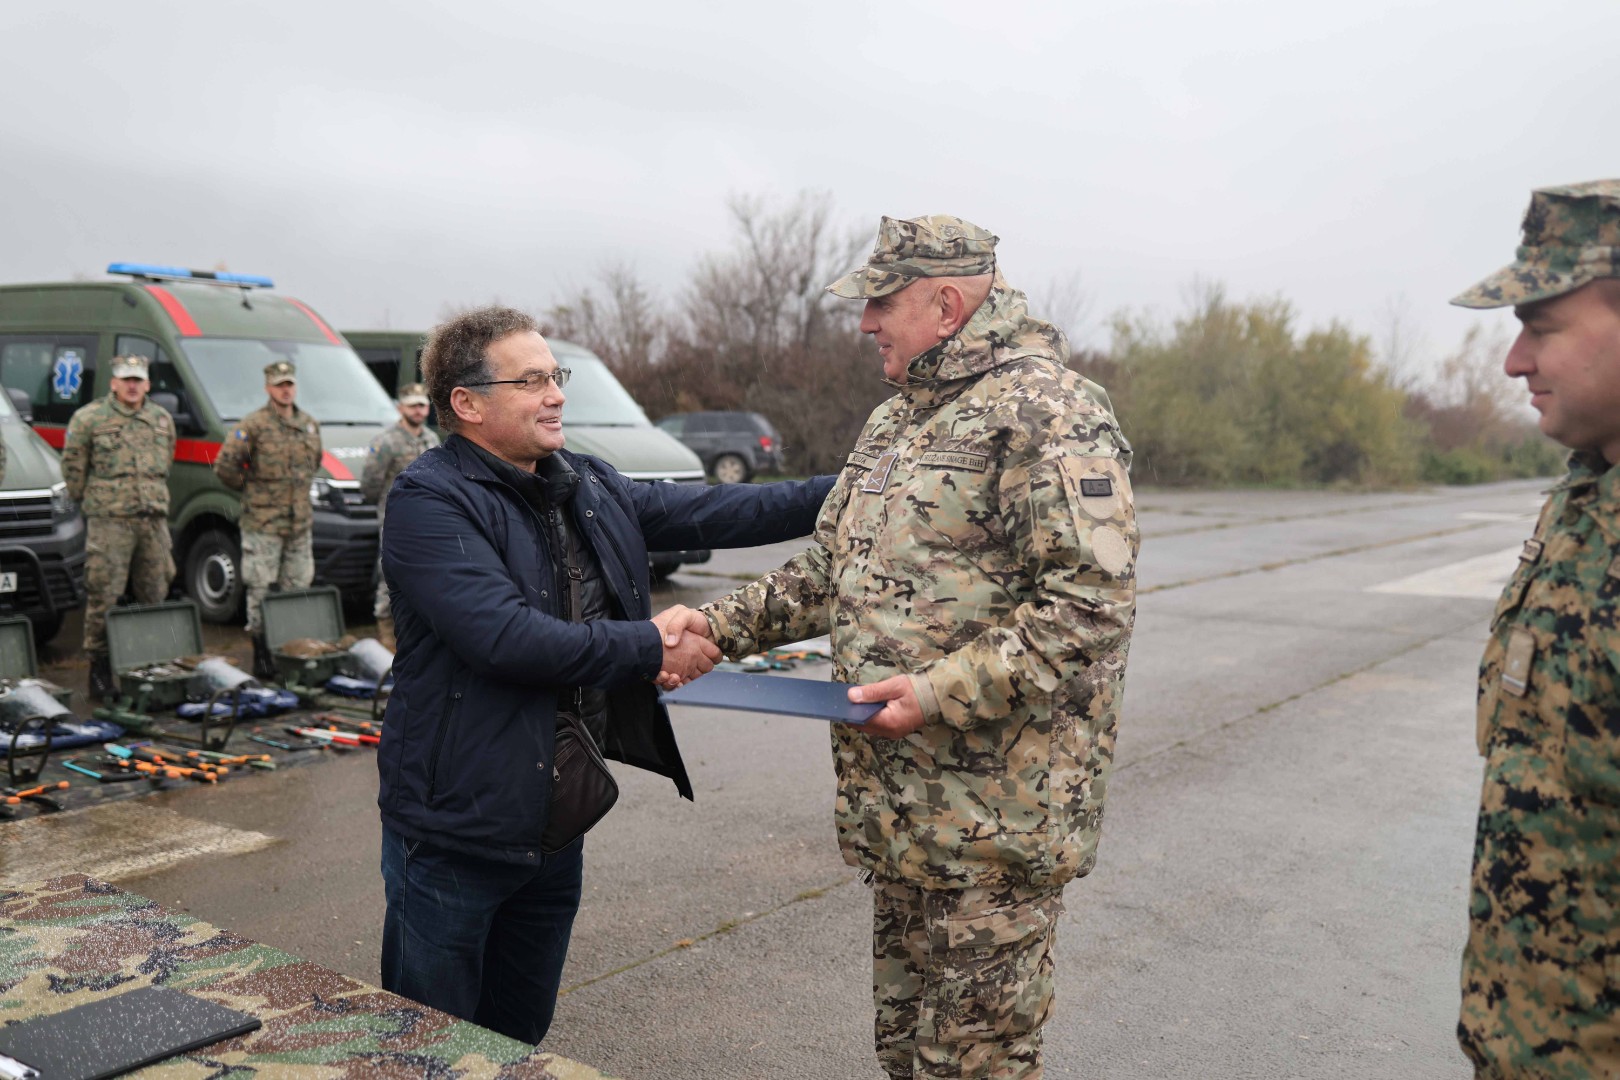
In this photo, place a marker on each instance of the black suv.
(733, 445)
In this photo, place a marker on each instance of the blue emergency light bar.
(180, 273)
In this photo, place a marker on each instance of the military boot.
(264, 662)
(102, 686)
(385, 633)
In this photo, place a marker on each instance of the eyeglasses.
(532, 383)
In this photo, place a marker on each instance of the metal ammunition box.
(142, 644)
(300, 615)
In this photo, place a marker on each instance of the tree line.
(1226, 393)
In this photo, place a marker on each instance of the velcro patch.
(955, 459)
(1531, 551)
(878, 478)
(865, 461)
(1096, 486)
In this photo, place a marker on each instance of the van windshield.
(333, 384)
(594, 395)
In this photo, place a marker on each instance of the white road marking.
(1497, 515)
(113, 842)
(1481, 577)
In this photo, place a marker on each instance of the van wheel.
(213, 576)
(730, 469)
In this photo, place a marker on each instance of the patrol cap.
(413, 394)
(937, 245)
(1571, 237)
(280, 372)
(129, 367)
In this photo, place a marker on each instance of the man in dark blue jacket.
(518, 581)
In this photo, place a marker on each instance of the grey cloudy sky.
(385, 161)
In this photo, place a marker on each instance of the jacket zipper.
(438, 743)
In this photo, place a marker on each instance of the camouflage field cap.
(282, 371)
(1571, 236)
(937, 245)
(129, 367)
(413, 394)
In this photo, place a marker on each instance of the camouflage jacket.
(1544, 933)
(982, 538)
(390, 453)
(116, 460)
(271, 461)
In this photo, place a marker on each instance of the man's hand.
(688, 652)
(900, 716)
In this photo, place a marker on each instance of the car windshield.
(333, 384)
(594, 395)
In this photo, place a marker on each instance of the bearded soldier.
(974, 566)
(116, 461)
(391, 451)
(271, 459)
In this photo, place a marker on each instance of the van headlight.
(320, 491)
(61, 506)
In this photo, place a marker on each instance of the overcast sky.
(385, 162)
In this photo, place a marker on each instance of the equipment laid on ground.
(154, 651)
(35, 717)
(314, 653)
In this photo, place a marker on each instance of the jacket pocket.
(1592, 719)
(452, 707)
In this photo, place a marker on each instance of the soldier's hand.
(690, 657)
(901, 713)
(672, 620)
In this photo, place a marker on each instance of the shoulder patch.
(240, 434)
(1096, 486)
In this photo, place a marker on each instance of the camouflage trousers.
(380, 608)
(287, 562)
(962, 979)
(121, 553)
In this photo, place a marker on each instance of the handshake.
(688, 652)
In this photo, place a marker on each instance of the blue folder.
(774, 694)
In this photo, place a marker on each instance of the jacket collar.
(1000, 332)
(554, 472)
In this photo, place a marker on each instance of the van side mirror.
(170, 403)
(22, 403)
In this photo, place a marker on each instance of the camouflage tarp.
(74, 939)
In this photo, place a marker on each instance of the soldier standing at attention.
(974, 566)
(390, 453)
(1541, 971)
(115, 459)
(271, 459)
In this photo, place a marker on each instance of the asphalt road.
(1282, 878)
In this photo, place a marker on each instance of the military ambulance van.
(601, 418)
(41, 532)
(209, 337)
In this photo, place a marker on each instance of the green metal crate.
(142, 644)
(306, 613)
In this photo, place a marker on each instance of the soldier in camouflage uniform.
(116, 461)
(271, 459)
(974, 567)
(1541, 971)
(390, 453)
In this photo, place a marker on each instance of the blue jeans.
(476, 938)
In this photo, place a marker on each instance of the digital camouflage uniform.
(981, 538)
(1541, 971)
(390, 453)
(116, 463)
(271, 460)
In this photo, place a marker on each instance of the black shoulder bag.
(582, 789)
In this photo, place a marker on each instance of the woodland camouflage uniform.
(981, 538)
(391, 452)
(272, 460)
(116, 463)
(1541, 971)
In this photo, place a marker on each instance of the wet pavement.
(1282, 881)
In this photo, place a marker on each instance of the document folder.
(774, 694)
(116, 1034)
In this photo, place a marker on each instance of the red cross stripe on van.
(196, 451)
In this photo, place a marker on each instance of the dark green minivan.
(209, 337)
